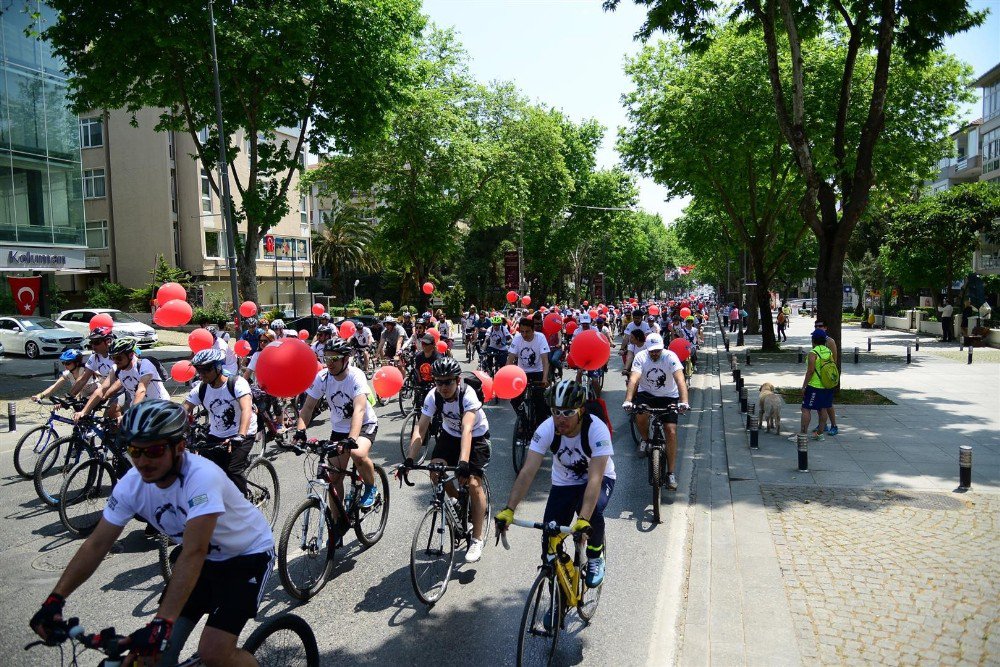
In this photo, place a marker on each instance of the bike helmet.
(99, 334)
(421, 322)
(278, 324)
(446, 367)
(250, 321)
(212, 329)
(213, 356)
(497, 320)
(566, 394)
(584, 318)
(71, 355)
(324, 329)
(337, 347)
(122, 345)
(154, 419)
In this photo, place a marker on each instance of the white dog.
(770, 403)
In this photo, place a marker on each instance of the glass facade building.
(41, 189)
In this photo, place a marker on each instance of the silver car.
(35, 336)
(124, 324)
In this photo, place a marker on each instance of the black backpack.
(230, 385)
(584, 437)
(156, 364)
(467, 381)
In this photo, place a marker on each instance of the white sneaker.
(643, 448)
(671, 481)
(475, 551)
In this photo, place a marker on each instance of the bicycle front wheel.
(656, 479)
(55, 463)
(305, 554)
(263, 490)
(536, 644)
(30, 447)
(369, 524)
(283, 640)
(634, 428)
(432, 556)
(519, 446)
(83, 495)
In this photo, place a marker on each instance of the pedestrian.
(831, 412)
(947, 322)
(814, 395)
(782, 322)
(787, 310)
(967, 312)
(734, 318)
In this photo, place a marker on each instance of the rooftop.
(991, 76)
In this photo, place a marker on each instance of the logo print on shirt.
(175, 516)
(342, 402)
(223, 411)
(656, 377)
(528, 357)
(578, 464)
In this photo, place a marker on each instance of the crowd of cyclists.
(201, 503)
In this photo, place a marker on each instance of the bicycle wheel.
(305, 556)
(283, 640)
(55, 462)
(634, 429)
(83, 495)
(406, 432)
(521, 439)
(405, 394)
(369, 524)
(536, 642)
(432, 556)
(655, 479)
(30, 446)
(263, 490)
(589, 597)
(488, 519)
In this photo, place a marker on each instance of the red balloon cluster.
(248, 309)
(590, 350)
(318, 309)
(101, 320)
(200, 339)
(174, 310)
(510, 382)
(347, 329)
(286, 368)
(552, 323)
(182, 371)
(169, 292)
(525, 301)
(387, 381)
(511, 296)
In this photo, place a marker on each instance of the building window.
(177, 243)
(170, 144)
(93, 183)
(203, 135)
(173, 190)
(206, 192)
(97, 234)
(91, 132)
(303, 212)
(213, 244)
(991, 151)
(991, 101)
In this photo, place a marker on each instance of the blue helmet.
(71, 355)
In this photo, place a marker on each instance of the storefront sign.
(24, 258)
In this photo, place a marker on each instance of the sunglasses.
(445, 383)
(122, 355)
(205, 369)
(330, 358)
(567, 412)
(150, 452)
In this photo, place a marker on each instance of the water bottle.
(349, 498)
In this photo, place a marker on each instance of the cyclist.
(419, 329)
(444, 327)
(228, 549)
(221, 343)
(463, 441)
(99, 365)
(657, 380)
(422, 363)
(469, 327)
(324, 332)
(252, 334)
(583, 472)
(498, 340)
(231, 421)
(73, 372)
(530, 351)
(362, 338)
(407, 323)
(392, 339)
(139, 377)
(278, 329)
(352, 418)
(594, 377)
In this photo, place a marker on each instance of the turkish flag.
(26, 292)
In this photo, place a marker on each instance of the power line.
(602, 208)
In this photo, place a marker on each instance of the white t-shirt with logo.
(497, 337)
(657, 377)
(224, 411)
(203, 488)
(631, 326)
(451, 416)
(89, 388)
(139, 369)
(362, 336)
(529, 354)
(570, 466)
(340, 395)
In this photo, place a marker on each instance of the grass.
(793, 395)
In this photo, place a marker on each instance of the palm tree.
(341, 245)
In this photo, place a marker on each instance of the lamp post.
(356, 281)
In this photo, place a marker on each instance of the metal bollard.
(743, 399)
(11, 417)
(857, 354)
(802, 444)
(965, 466)
(799, 359)
(754, 433)
(916, 343)
(970, 354)
(736, 375)
(908, 357)
(739, 385)
(869, 343)
(748, 358)
(55, 370)
(751, 409)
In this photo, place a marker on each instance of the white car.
(124, 324)
(35, 336)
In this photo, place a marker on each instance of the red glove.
(152, 639)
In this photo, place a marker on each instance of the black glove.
(152, 639)
(463, 469)
(300, 435)
(44, 621)
(408, 462)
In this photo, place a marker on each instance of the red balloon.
(182, 371)
(348, 328)
(169, 292)
(681, 348)
(200, 339)
(318, 309)
(428, 288)
(441, 346)
(387, 381)
(590, 349)
(525, 300)
(248, 309)
(487, 384)
(551, 324)
(654, 310)
(101, 320)
(303, 334)
(586, 303)
(173, 313)
(593, 314)
(437, 334)
(511, 296)
(571, 327)
(241, 348)
(510, 382)
(287, 368)
(685, 312)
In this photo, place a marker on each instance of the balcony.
(968, 167)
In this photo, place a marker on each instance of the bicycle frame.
(566, 571)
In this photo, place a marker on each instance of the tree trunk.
(768, 341)
(246, 275)
(830, 282)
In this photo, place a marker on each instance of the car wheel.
(31, 350)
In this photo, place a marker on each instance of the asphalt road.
(368, 612)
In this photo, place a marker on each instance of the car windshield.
(118, 316)
(39, 323)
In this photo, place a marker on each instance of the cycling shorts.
(449, 448)
(229, 591)
(658, 403)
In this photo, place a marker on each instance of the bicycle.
(406, 391)
(359, 360)
(61, 456)
(559, 587)
(281, 640)
(657, 454)
(410, 424)
(30, 446)
(310, 535)
(87, 487)
(524, 426)
(444, 526)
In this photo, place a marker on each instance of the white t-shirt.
(362, 336)
(529, 354)
(224, 411)
(497, 337)
(240, 529)
(223, 344)
(451, 417)
(317, 347)
(88, 388)
(632, 326)
(569, 465)
(101, 366)
(340, 395)
(139, 369)
(657, 377)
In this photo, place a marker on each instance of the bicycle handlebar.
(107, 641)
(325, 447)
(638, 408)
(550, 528)
(402, 472)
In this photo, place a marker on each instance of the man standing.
(947, 322)
(814, 395)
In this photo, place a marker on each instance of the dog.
(770, 403)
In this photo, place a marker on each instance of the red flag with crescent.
(26, 292)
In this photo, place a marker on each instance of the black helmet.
(154, 419)
(336, 347)
(100, 333)
(122, 345)
(566, 394)
(446, 367)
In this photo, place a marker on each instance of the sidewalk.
(870, 557)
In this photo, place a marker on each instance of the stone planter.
(933, 328)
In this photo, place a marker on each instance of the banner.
(599, 287)
(26, 292)
(511, 270)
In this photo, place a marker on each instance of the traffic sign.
(848, 289)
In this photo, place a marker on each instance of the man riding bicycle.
(530, 351)
(137, 376)
(227, 550)
(498, 341)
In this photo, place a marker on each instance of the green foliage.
(343, 244)
(454, 300)
(107, 294)
(277, 314)
(385, 307)
(367, 311)
(212, 314)
(160, 273)
(7, 304)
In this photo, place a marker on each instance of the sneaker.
(832, 430)
(793, 437)
(475, 551)
(816, 435)
(671, 481)
(643, 448)
(595, 572)
(368, 499)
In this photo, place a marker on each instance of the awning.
(64, 272)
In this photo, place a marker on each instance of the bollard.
(802, 443)
(869, 343)
(743, 399)
(55, 370)
(799, 360)
(908, 358)
(11, 417)
(739, 385)
(857, 354)
(751, 409)
(754, 433)
(916, 343)
(736, 375)
(965, 466)
(748, 357)
(970, 354)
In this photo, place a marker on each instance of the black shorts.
(449, 448)
(229, 591)
(660, 403)
(367, 431)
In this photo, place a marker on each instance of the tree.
(342, 245)
(886, 97)
(329, 70)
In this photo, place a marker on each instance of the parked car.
(124, 324)
(1, 349)
(35, 336)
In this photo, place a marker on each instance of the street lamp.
(356, 281)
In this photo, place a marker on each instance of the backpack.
(584, 437)
(156, 364)
(467, 381)
(781, 317)
(230, 385)
(826, 369)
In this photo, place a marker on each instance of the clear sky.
(569, 54)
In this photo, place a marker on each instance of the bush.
(110, 295)
(454, 299)
(212, 315)
(272, 315)
(367, 304)
(385, 307)
(930, 313)
(367, 311)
